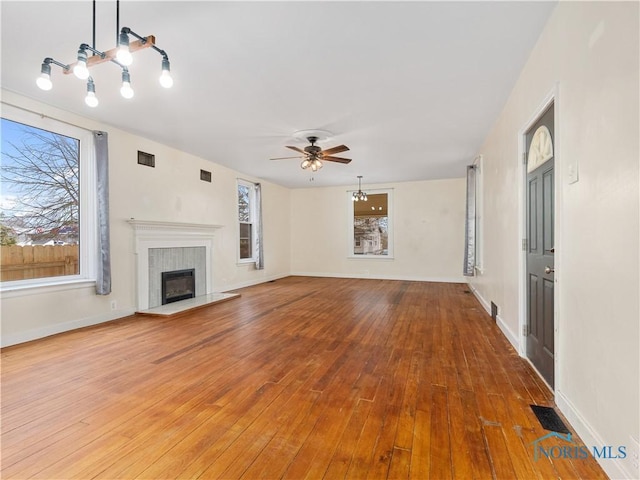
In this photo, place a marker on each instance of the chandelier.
(120, 55)
(359, 195)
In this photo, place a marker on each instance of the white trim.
(512, 337)
(58, 284)
(390, 226)
(87, 213)
(37, 333)
(588, 434)
(249, 283)
(506, 331)
(550, 98)
(252, 221)
(151, 234)
(376, 276)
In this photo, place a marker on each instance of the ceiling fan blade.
(337, 159)
(285, 158)
(297, 149)
(338, 149)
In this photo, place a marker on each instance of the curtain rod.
(44, 115)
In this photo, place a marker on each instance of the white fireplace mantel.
(150, 234)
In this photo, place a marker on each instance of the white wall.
(588, 53)
(428, 232)
(173, 192)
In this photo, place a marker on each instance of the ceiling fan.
(314, 155)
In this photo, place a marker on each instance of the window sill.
(17, 290)
(370, 257)
(245, 261)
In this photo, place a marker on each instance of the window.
(370, 225)
(47, 212)
(246, 220)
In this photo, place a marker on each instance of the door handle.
(549, 269)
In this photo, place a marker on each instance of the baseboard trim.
(407, 278)
(249, 283)
(38, 333)
(506, 331)
(590, 437)
(10, 339)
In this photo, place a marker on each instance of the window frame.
(88, 224)
(390, 226)
(252, 220)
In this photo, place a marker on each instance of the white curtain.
(470, 224)
(258, 219)
(103, 274)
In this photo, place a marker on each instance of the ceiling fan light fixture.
(313, 156)
(316, 165)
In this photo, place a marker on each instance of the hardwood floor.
(299, 378)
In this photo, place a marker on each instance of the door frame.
(551, 98)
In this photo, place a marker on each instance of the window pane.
(371, 226)
(245, 240)
(39, 208)
(244, 203)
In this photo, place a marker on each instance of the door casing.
(550, 98)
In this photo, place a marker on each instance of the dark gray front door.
(540, 245)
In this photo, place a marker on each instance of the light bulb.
(126, 91)
(80, 70)
(165, 79)
(44, 81)
(305, 163)
(91, 100)
(124, 55)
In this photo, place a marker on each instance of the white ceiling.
(412, 88)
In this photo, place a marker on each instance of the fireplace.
(178, 285)
(165, 246)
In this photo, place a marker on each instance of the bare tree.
(244, 213)
(43, 173)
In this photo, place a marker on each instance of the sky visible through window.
(11, 133)
(40, 184)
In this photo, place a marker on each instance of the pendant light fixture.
(359, 195)
(120, 55)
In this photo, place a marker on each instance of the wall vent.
(146, 159)
(205, 176)
(494, 312)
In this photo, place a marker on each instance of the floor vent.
(549, 419)
(494, 312)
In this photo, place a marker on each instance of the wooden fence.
(38, 261)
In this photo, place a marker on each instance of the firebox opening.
(178, 285)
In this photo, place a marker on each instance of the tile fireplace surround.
(150, 236)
